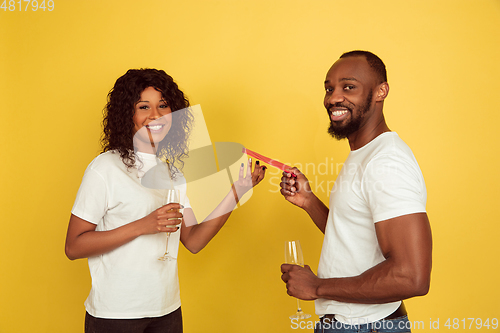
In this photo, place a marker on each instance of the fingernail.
(257, 162)
(242, 165)
(264, 168)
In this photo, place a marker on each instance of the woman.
(121, 225)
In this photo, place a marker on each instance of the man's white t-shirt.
(378, 181)
(130, 281)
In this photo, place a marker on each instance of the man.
(377, 246)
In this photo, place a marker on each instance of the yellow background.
(257, 69)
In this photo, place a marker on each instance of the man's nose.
(335, 97)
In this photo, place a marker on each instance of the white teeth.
(338, 113)
(155, 128)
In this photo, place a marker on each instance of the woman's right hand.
(82, 241)
(164, 219)
(295, 188)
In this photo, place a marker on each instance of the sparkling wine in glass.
(170, 197)
(294, 256)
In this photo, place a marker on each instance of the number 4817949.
(13, 5)
(476, 323)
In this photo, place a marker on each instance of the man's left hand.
(301, 282)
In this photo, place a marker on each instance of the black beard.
(351, 127)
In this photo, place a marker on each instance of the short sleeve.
(91, 199)
(393, 186)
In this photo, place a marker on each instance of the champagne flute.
(170, 197)
(294, 256)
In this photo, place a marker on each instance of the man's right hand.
(296, 189)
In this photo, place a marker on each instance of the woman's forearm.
(197, 236)
(83, 241)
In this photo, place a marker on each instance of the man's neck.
(367, 133)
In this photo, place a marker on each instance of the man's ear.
(382, 92)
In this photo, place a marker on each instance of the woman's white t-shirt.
(129, 281)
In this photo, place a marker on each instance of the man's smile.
(338, 114)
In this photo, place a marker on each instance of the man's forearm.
(381, 284)
(318, 212)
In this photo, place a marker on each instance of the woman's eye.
(143, 107)
(164, 106)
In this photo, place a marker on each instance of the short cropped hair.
(375, 62)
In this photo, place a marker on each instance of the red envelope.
(268, 160)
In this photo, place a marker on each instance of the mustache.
(339, 105)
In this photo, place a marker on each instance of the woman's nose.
(155, 114)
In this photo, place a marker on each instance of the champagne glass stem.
(294, 256)
(166, 247)
(171, 195)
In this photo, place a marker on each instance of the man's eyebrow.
(348, 79)
(343, 79)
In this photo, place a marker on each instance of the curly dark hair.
(118, 125)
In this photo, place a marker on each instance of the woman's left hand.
(252, 178)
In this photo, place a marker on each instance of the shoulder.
(388, 147)
(389, 142)
(391, 156)
(392, 182)
(106, 162)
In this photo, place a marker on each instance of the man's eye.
(349, 87)
(328, 89)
